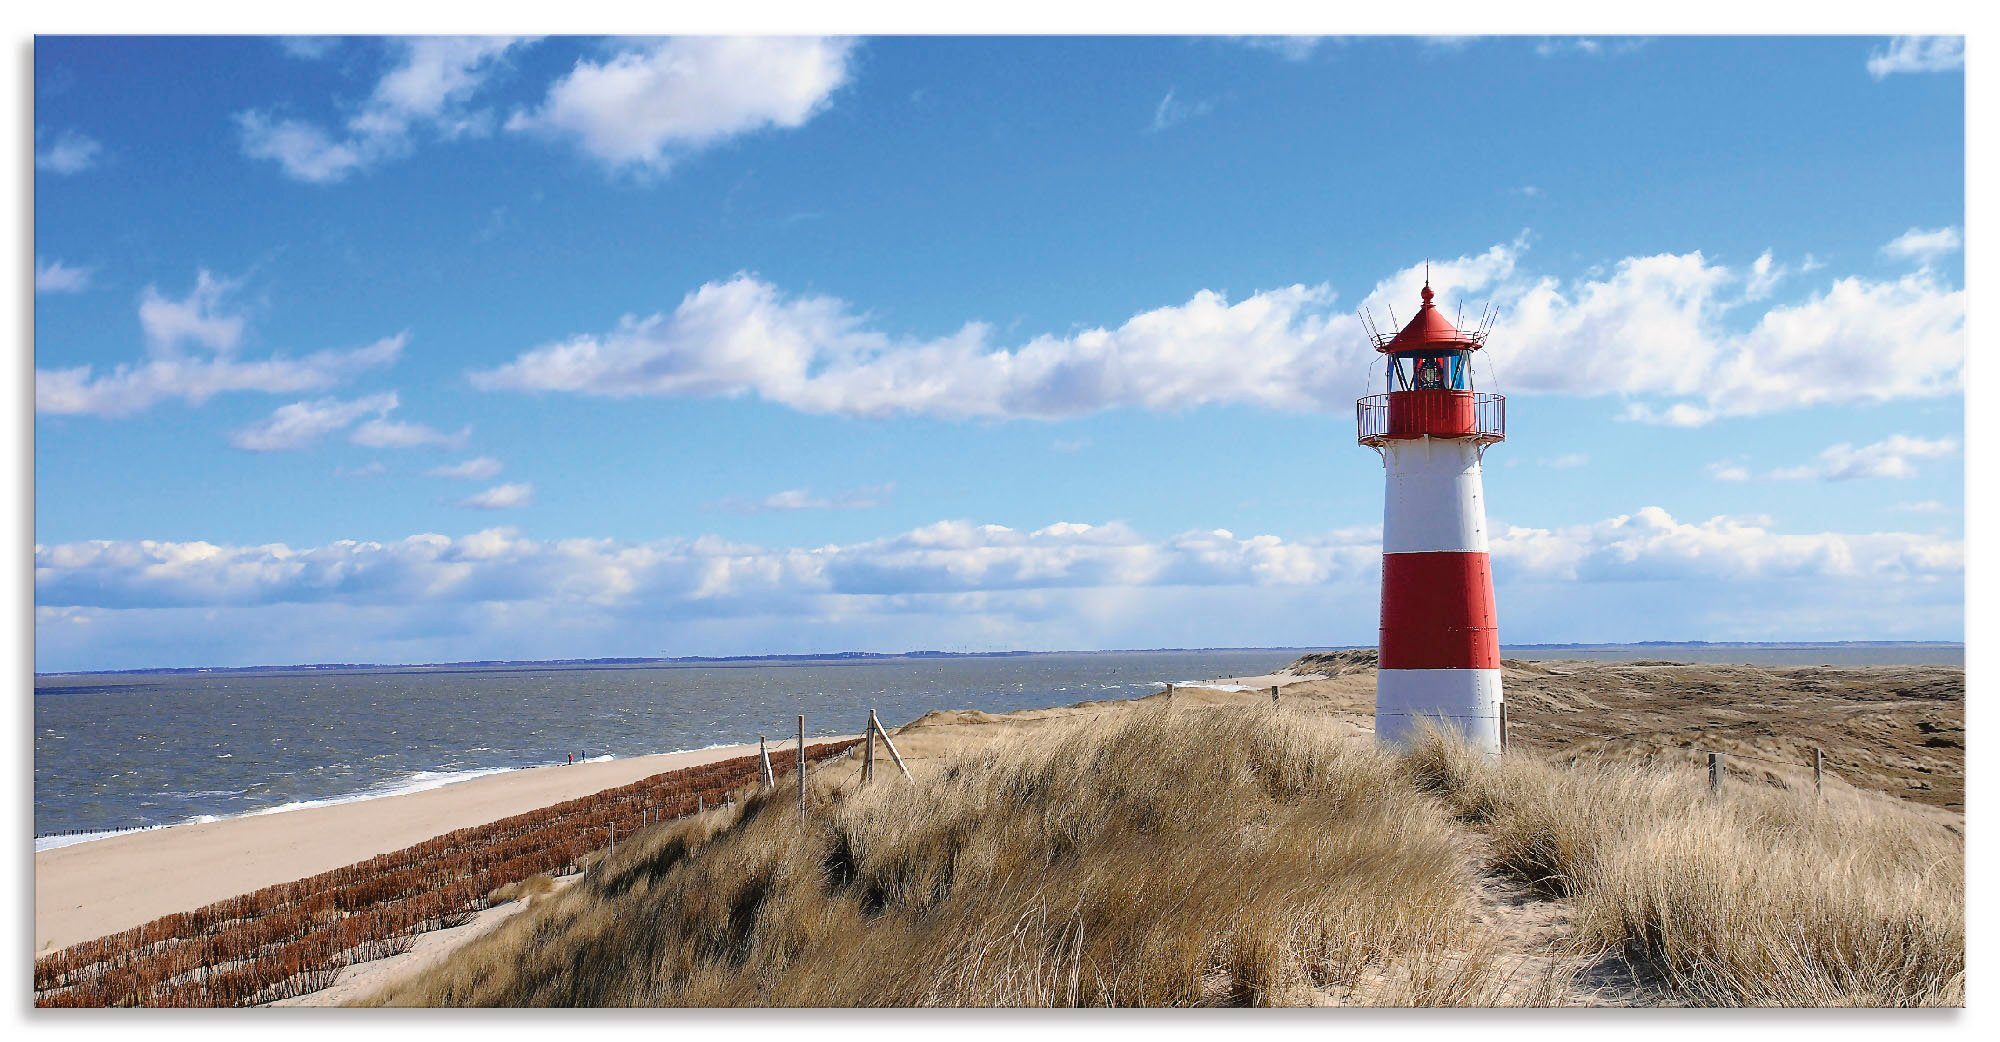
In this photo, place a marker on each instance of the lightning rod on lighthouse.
(1440, 645)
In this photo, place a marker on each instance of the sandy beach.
(92, 889)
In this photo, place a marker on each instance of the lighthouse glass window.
(1443, 371)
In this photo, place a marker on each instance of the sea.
(118, 751)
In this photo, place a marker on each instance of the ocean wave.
(416, 781)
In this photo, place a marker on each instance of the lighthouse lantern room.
(1440, 646)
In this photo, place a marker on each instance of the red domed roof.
(1429, 330)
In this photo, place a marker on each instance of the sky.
(429, 349)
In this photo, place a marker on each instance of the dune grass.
(1236, 856)
(1757, 896)
(1174, 858)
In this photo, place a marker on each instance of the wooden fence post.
(868, 755)
(764, 773)
(1274, 696)
(1819, 772)
(1170, 695)
(802, 763)
(700, 803)
(1503, 727)
(876, 723)
(1714, 773)
(614, 837)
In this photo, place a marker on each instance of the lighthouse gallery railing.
(1438, 414)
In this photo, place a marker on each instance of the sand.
(91, 889)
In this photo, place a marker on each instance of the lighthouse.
(1440, 646)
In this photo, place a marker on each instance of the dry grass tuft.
(1758, 896)
(1174, 858)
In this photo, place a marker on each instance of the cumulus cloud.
(501, 497)
(865, 498)
(1889, 458)
(192, 355)
(1677, 335)
(300, 424)
(57, 277)
(1917, 54)
(1651, 545)
(1924, 244)
(945, 558)
(479, 468)
(653, 103)
(498, 593)
(426, 90)
(70, 152)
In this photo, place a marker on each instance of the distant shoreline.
(839, 657)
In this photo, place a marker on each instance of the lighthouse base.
(1465, 702)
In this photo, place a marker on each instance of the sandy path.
(432, 948)
(92, 889)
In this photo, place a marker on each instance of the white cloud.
(383, 433)
(1924, 244)
(204, 321)
(127, 389)
(1922, 506)
(300, 424)
(1173, 112)
(201, 318)
(479, 468)
(71, 152)
(498, 594)
(426, 89)
(1667, 332)
(1917, 54)
(942, 560)
(370, 469)
(652, 104)
(1567, 461)
(1729, 470)
(308, 48)
(1650, 545)
(57, 277)
(1888, 458)
(1290, 48)
(866, 498)
(501, 497)
(1588, 47)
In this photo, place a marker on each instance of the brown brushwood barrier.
(293, 938)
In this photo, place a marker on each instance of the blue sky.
(398, 350)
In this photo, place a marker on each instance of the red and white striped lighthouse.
(1440, 648)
